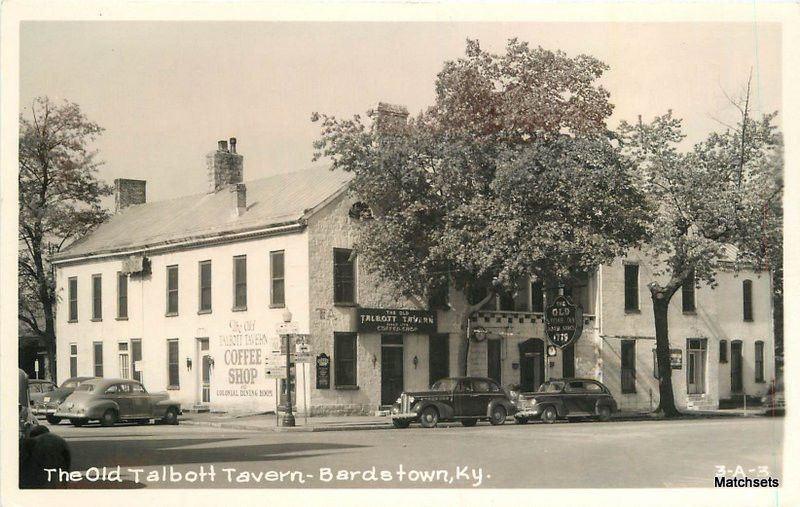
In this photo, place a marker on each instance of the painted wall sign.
(323, 371)
(563, 322)
(240, 353)
(383, 320)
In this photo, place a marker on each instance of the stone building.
(187, 295)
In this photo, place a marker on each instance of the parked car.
(464, 399)
(50, 401)
(774, 402)
(39, 388)
(39, 450)
(566, 398)
(110, 400)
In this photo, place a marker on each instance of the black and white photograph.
(445, 253)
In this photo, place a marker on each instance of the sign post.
(563, 322)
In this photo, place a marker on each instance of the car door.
(594, 394)
(482, 396)
(114, 393)
(471, 403)
(574, 397)
(141, 400)
(124, 401)
(461, 398)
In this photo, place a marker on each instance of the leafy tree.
(59, 201)
(512, 172)
(718, 201)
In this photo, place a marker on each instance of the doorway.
(531, 364)
(494, 360)
(696, 366)
(736, 366)
(204, 371)
(391, 368)
(568, 361)
(438, 358)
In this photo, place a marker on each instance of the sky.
(165, 92)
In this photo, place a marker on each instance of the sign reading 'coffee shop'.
(381, 320)
(563, 322)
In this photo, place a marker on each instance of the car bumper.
(405, 416)
(71, 414)
(527, 413)
(44, 410)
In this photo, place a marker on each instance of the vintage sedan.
(464, 399)
(564, 399)
(39, 388)
(110, 400)
(50, 401)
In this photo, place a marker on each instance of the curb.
(388, 425)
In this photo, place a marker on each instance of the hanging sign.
(563, 322)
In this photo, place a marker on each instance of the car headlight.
(397, 401)
(411, 400)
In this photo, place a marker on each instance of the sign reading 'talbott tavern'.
(563, 322)
(381, 320)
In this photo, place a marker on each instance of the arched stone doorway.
(531, 364)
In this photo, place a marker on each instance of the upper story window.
(723, 351)
(344, 276)
(687, 294)
(240, 282)
(439, 297)
(759, 363)
(747, 300)
(277, 283)
(73, 298)
(537, 296)
(205, 286)
(631, 287)
(97, 297)
(172, 290)
(122, 296)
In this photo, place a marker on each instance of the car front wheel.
(549, 415)
(429, 417)
(604, 413)
(400, 423)
(498, 416)
(171, 417)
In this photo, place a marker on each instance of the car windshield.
(551, 387)
(85, 387)
(446, 384)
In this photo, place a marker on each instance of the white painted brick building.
(187, 294)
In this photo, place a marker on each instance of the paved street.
(564, 455)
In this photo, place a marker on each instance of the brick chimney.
(390, 117)
(238, 193)
(129, 192)
(225, 166)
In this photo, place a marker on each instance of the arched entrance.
(531, 364)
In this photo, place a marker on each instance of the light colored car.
(110, 400)
(50, 401)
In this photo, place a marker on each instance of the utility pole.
(288, 416)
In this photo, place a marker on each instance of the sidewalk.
(268, 422)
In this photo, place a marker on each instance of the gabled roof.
(271, 201)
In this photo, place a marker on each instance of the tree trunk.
(666, 404)
(466, 314)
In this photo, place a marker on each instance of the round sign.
(563, 322)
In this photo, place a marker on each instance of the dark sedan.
(50, 401)
(566, 398)
(464, 399)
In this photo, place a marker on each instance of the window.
(73, 299)
(172, 364)
(440, 297)
(122, 296)
(137, 388)
(506, 301)
(98, 359)
(723, 351)
(124, 361)
(628, 367)
(575, 387)
(97, 297)
(759, 361)
(747, 300)
(696, 365)
(205, 286)
(240, 282)
(344, 276)
(277, 287)
(537, 297)
(494, 360)
(172, 290)
(631, 287)
(568, 361)
(687, 294)
(73, 359)
(344, 355)
(136, 359)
